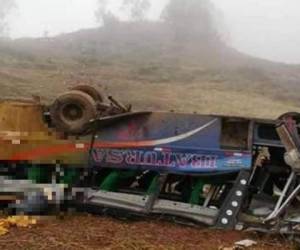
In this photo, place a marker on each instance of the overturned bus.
(224, 172)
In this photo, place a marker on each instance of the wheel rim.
(72, 112)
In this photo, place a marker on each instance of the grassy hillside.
(142, 63)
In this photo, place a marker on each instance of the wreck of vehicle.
(221, 171)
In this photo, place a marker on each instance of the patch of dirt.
(95, 232)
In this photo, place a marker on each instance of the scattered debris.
(244, 243)
(239, 245)
(17, 221)
(226, 248)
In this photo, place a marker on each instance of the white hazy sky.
(265, 28)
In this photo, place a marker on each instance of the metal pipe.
(278, 204)
(209, 196)
(118, 104)
(287, 201)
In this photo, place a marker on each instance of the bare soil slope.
(141, 63)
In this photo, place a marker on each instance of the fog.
(264, 28)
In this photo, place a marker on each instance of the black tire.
(72, 110)
(91, 91)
